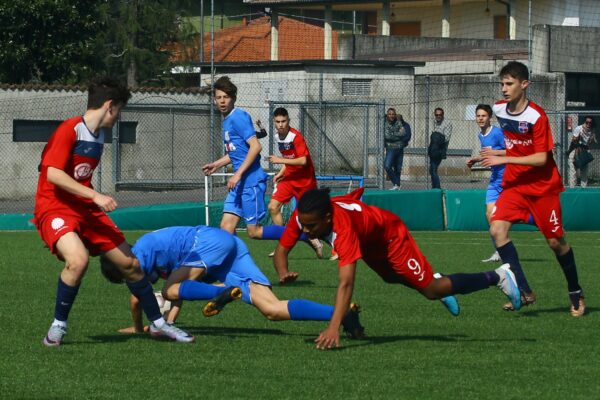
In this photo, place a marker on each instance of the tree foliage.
(68, 41)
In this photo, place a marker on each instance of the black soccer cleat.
(351, 323)
(214, 306)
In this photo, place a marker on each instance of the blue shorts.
(247, 202)
(227, 260)
(492, 193)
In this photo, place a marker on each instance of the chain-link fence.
(158, 149)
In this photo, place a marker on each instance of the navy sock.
(530, 220)
(145, 294)
(567, 263)
(272, 232)
(194, 290)
(303, 237)
(508, 254)
(65, 296)
(303, 310)
(469, 283)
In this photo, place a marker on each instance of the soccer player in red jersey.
(532, 183)
(295, 177)
(71, 216)
(357, 230)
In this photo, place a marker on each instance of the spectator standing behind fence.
(438, 145)
(582, 137)
(396, 136)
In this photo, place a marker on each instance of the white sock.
(159, 322)
(437, 275)
(60, 323)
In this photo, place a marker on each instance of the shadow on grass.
(556, 310)
(196, 331)
(376, 340)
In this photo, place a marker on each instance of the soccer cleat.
(334, 256)
(395, 187)
(214, 306)
(451, 304)
(508, 284)
(527, 299)
(317, 246)
(577, 303)
(351, 323)
(172, 332)
(272, 254)
(55, 335)
(493, 258)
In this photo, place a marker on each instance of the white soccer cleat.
(55, 335)
(493, 258)
(508, 285)
(172, 332)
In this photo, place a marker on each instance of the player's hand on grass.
(288, 277)
(329, 338)
(133, 329)
(233, 181)
(104, 202)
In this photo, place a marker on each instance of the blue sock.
(145, 294)
(194, 290)
(530, 220)
(306, 310)
(508, 254)
(272, 232)
(567, 263)
(469, 283)
(65, 296)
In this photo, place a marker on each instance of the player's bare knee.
(77, 264)
(274, 209)
(130, 268)
(498, 232)
(558, 245)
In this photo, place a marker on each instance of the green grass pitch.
(414, 349)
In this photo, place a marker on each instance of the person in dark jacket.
(396, 136)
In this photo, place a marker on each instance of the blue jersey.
(494, 140)
(237, 130)
(164, 250)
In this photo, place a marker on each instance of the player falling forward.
(192, 258)
(357, 230)
(71, 216)
(247, 186)
(532, 182)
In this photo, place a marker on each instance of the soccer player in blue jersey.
(247, 186)
(492, 143)
(246, 198)
(192, 258)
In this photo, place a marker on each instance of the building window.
(25, 130)
(356, 87)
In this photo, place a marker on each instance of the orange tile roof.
(252, 42)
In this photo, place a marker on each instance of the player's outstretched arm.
(210, 168)
(330, 337)
(253, 151)
(62, 180)
(280, 261)
(136, 315)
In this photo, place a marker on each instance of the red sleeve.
(292, 232)
(59, 147)
(300, 147)
(345, 241)
(542, 135)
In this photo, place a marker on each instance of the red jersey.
(291, 147)
(359, 230)
(75, 150)
(525, 134)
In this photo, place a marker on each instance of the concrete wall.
(19, 160)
